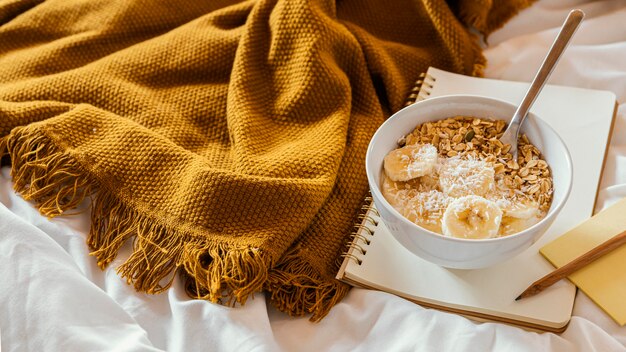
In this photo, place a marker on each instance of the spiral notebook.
(375, 260)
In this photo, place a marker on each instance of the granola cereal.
(472, 162)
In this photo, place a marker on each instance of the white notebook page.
(583, 119)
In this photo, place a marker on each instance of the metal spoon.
(558, 47)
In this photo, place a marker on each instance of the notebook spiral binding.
(364, 231)
(421, 89)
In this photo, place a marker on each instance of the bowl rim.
(441, 100)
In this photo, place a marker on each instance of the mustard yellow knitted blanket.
(224, 139)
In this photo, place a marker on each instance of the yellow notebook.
(604, 280)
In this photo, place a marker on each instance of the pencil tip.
(518, 298)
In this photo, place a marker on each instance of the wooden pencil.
(576, 264)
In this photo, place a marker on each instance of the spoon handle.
(560, 43)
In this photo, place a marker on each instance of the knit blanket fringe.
(55, 183)
(298, 289)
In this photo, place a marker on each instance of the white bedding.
(53, 297)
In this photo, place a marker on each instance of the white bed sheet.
(54, 298)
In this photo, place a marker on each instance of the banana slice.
(416, 201)
(511, 225)
(518, 215)
(398, 193)
(410, 161)
(462, 177)
(426, 209)
(471, 217)
(519, 209)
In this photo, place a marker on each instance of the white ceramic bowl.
(457, 252)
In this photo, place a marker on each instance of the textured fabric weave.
(225, 139)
